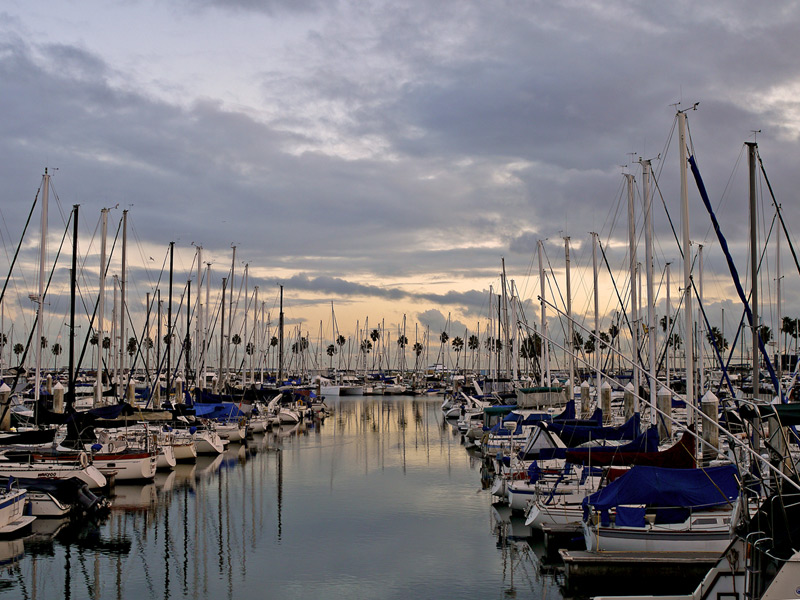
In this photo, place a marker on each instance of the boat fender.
(83, 459)
(242, 422)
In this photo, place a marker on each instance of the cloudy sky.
(385, 156)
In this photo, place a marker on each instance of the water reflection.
(380, 499)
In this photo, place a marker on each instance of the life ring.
(83, 459)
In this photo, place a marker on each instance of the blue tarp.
(646, 442)
(575, 435)
(224, 411)
(656, 486)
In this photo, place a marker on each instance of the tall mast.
(668, 323)
(545, 345)
(147, 337)
(169, 321)
(256, 338)
(779, 304)
(687, 268)
(73, 277)
(280, 342)
(700, 321)
(634, 300)
(506, 329)
(651, 307)
(122, 280)
(246, 314)
(596, 318)
(198, 325)
(751, 163)
(98, 394)
(206, 332)
(230, 317)
(40, 295)
(571, 326)
(220, 381)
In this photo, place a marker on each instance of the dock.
(669, 572)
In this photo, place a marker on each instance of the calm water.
(381, 500)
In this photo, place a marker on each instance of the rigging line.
(779, 211)
(734, 274)
(622, 304)
(89, 330)
(19, 246)
(7, 407)
(58, 202)
(669, 217)
(712, 339)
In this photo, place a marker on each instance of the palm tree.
(613, 333)
(458, 346)
(402, 341)
(417, 348)
(44, 343)
(133, 346)
(788, 327)
(56, 350)
(236, 339)
(273, 341)
(18, 349)
(715, 338)
(530, 348)
(374, 335)
(473, 343)
(331, 350)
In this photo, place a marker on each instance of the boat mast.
(634, 300)
(256, 338)
(206, 332)
(73, 277)
(700, 321)
(98, 393)
(122, 281)
(545, 345)
(40, 296)
(687, 269)
(246, 305)
(570, 345)
(751, 163)
(651, 307)
(280, 342)
(220, 381)
(779, 304)
(198, 325)
(169, 322)
(596, 319)
(668, 328)
(230, 317)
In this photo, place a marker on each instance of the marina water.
(379, 500)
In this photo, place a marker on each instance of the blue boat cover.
(657, 486)
(646, 442)
(567, 413)
(575, 435)
(223, 411)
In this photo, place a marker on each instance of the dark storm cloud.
(470, 302)
(413, 140)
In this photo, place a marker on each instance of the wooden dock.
(589, 573)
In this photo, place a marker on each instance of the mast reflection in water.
(380, 500)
